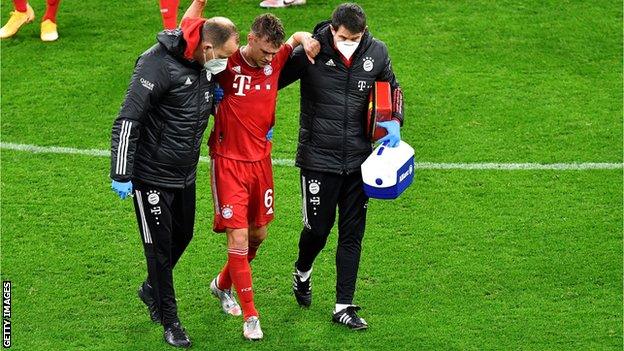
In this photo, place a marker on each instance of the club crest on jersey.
(268, 70)
(227, 212)
(368, 63)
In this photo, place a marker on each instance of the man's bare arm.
(311, 46)
(195, 10)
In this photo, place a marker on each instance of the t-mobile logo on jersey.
(241, 82)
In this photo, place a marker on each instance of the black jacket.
(334, 101)
(157, 136)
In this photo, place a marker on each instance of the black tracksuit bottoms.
(166, 218)
(321, 193)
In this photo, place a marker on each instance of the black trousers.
(321, 192)
(166, 219)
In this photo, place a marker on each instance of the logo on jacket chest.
(242, 84)
(369, 63)
(362, 84)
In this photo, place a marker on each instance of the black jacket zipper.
(345, 119)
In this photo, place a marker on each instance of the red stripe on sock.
(238, 251)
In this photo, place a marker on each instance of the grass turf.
(464, 260)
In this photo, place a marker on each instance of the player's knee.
(237, 239)
(238, 243)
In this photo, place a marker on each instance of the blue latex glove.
(218, 94)
(269, 136)
(394, 133)
(123, 189)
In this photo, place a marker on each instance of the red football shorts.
(242, 193)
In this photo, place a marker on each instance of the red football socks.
(252, 253)
(240, 273)
(169, 13)
(225, 282)
(20, 5)
(51, 9)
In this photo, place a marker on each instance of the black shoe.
(349, 317)
(302, 289)
(175, 335)
(146, 295)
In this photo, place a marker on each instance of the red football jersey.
(247, 110)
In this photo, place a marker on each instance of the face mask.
(347, 48)
(215, 66)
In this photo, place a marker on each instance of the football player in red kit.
(242, 177)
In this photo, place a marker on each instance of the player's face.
(261, 51)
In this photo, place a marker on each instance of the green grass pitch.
(464, 260)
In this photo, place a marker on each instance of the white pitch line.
(291, 163)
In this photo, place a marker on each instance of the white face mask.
(216, 65)
(347, 48)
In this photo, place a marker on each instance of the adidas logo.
(236, 69)
(188, 81)
(330, 63)
(270, 211)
